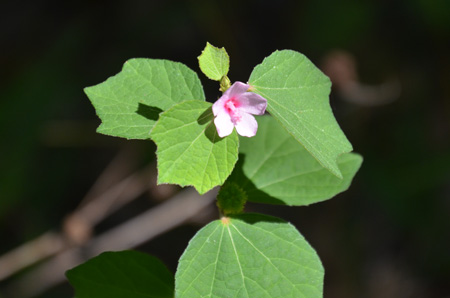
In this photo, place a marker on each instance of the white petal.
(236, 89)
(223, 124)
(247, 126)
(252, 103)
(219, 106)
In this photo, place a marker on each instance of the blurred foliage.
(386, 237)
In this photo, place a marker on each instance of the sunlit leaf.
(214, 62)
(190, 152)
(297, 95)
(129, 103)
(249, 255)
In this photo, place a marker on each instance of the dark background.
(388, 236)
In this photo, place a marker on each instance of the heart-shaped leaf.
(274, 168)
(129, 103)
(249, 255)
(297, 96)
(190, 152)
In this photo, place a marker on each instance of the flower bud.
(231, 198)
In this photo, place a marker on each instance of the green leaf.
(214, 62)
(297, 96)
(274, 168)
(190, 152)
(128, 103)
(249, 255)
(122, 274)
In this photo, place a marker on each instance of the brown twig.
(130, 234)
(31, 252)
(78, 225)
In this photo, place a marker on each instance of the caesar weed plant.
(295, 155)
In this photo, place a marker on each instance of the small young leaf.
(274, 168)
(249, 255)
(128, 103)
(214, 62)
(189, 150)
(122, 274)
(297, 96)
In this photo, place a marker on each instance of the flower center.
(232, 108)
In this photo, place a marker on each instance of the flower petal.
(252, 103)
(223, 124)
(219, 106)
(236, 89)
(247, 126)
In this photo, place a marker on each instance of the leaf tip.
(225, 221)
(87, 90)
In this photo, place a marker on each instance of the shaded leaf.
(274, 168)
(122, 274)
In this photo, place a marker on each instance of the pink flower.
(235, 109)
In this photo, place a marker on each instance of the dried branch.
(167, 215)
